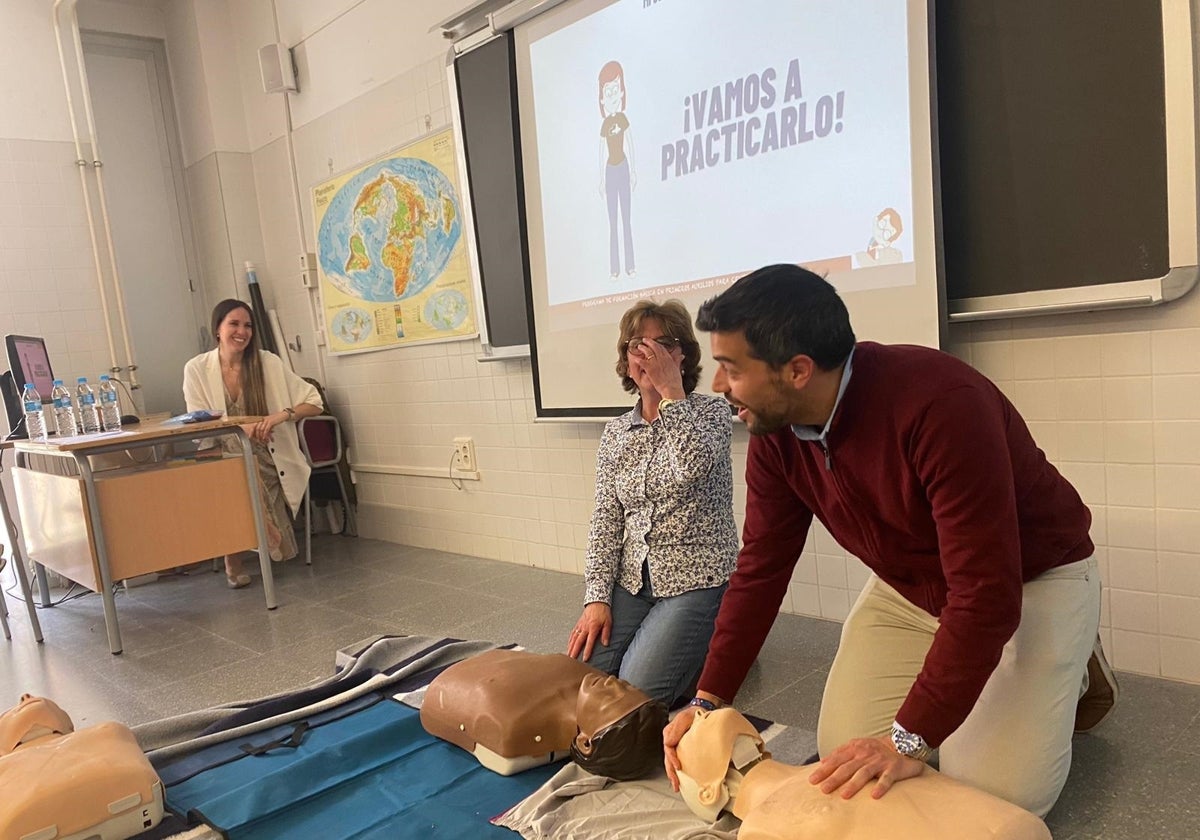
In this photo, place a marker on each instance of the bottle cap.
(104, 377)
(57, 381)
(81, 380)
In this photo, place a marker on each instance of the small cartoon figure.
(880, 248)
(618, 176)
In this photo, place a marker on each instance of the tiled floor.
(190, 643)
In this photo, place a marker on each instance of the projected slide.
(683, 143)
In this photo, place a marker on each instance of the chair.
(321, 442)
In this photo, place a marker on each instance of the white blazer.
(204, 389)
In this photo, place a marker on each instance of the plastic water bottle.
(64, 410)
(35, 421)
(89, 416)
(110, 408)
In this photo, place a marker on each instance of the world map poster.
(391, 252)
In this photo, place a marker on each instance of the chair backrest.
(321, 440)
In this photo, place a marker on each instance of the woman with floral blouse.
(663, 542)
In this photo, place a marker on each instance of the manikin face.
(714, 754)
(763, 398)
(235, 331)
(604, 699)
(612, 95)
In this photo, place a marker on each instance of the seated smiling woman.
(236, 378)
(663, 541)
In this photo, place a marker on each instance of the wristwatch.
(666, 401)
(291, 413)
(910, 743)
(706, 705)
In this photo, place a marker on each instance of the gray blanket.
(390, 660)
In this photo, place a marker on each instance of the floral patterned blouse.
(664, 496)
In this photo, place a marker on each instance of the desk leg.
(106, 584)
(19, 560)
(260, 527)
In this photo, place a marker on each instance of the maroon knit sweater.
(934, 482)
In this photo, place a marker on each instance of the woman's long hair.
(254, 391)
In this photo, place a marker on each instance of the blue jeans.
(659, 644)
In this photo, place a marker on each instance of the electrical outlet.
(464, 454)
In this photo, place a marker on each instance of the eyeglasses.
(665, 341)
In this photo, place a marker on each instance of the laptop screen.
(30, 362)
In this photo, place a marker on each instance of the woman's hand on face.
(664, 367)
(595, 624)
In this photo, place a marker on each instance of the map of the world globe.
(390, 230)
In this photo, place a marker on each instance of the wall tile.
(1177, 442)
(1181, 659)
(1077, 356)
(1177, 397)
(1132, 569)
(1137, 652)
(1178, 530)
(1130, 527)
(1178, 486)
(1136, 611)
(1081, 440)
(1179, 573)
(1176, 351)
(1128, 398)
(1033, 358)
(1037, 399)
(1179, 616)
(1129, 442)
(1081, 399)
(1130, 485)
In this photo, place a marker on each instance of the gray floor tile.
(190, 642)
(797, 704)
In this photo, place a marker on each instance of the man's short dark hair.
(784, 311)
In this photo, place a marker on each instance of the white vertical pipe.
(97, 164)
(80, 163)
(314, 295)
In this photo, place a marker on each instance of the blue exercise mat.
(373, 774)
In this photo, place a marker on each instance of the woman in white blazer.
(239, 379)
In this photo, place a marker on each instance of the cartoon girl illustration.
(881, 248)
(618, 176)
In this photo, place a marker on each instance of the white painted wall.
(1113, 398)
(34, 108)
(143, 18)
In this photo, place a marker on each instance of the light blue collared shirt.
(810, 432)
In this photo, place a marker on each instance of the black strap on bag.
(288, 742)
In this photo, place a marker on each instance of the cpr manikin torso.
(513, 710)
(724, 766)
(67, 784)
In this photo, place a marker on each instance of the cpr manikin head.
(724, 766)
(511, 709)
(714, 756)
(620, 729)
(32, 718)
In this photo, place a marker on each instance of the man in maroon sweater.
(974, 632)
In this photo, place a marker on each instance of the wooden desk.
(14, 547)
(106, 525)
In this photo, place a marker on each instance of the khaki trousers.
(1016, 743)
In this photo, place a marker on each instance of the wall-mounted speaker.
(278, 72)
